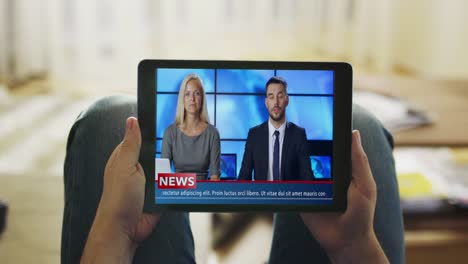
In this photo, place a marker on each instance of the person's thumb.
(130, 148)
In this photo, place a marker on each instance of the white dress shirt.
(271, 146)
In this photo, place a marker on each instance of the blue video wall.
(236, 102)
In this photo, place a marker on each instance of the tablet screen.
(256, 136)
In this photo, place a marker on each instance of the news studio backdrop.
(234, 95)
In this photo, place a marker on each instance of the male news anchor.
(276, 149)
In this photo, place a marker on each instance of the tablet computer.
(245, 135)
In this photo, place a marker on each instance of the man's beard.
(280, 116)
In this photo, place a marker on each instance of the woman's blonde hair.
(180, 113)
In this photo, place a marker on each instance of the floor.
(34, 220)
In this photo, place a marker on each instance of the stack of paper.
(394, 113)
(429, 178)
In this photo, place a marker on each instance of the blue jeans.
(100, 128)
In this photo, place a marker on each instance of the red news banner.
(183, 188)
(177, 181)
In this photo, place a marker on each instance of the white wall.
(428, 37)
(233, 29)
(22, 41)
(29, 38)
(432, 36)
(89, 45)
(97, 45)
(4, 52)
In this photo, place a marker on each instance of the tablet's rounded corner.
(143, 63)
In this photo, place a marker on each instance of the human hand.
(120, 223)
(350, 236)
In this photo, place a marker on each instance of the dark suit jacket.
(295, 161)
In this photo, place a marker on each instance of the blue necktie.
(276, 157)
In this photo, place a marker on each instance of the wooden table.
(445, 101)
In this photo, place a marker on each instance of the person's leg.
(292, 241)
(93, 137)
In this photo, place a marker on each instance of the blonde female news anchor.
(191, 142)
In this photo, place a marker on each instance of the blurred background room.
(410, 66)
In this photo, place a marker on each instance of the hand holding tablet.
(275, 134)
(351, 235)
(347, 237)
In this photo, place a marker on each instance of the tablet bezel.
(342, 123)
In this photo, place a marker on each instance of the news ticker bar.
(248, 192)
